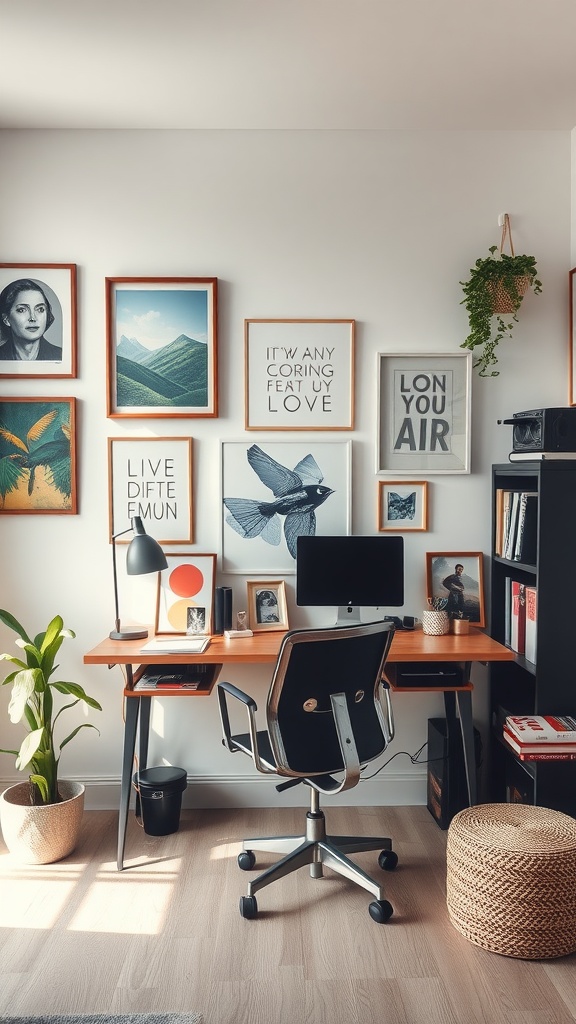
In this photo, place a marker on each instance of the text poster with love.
(151, 478)
(299, 374)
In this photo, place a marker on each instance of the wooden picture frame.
(50, 318)
(299, 374)
(465, 594)
(423, 413)
(267, 609)
(258, 536)
(151, 477)
(402, 505)
(162, 347)
(186, 592)
(38, 456)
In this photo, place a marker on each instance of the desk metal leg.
(462, 699)
(464, 702)
(144, 731)
(130, 725)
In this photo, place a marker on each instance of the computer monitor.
(350, 572)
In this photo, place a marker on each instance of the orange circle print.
(186, 580)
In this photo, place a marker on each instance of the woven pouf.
(511, 879)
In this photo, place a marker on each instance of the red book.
(527, 749)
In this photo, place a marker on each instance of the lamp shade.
(144, 553)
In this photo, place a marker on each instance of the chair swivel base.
(317, 849)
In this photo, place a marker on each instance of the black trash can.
(159, 798)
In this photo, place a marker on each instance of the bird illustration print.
(297, 492)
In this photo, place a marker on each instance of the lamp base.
(129, 634)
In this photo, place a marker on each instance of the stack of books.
(516, 525)
(520, 617)
(541, 737)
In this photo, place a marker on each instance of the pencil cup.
(435, 623)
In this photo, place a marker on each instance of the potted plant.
(43, 810)
(494, 290)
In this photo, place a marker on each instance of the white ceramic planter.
(45, 833)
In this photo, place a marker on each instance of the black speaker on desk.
(222, 609)
(447, 792)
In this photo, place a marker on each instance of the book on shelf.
(176, 645)
(507, 609)
(518, 617)
(540, 456)
(175, 677)
(510, 532)
(525, 749)
(542, 728)
(531, 619)
(525, 542)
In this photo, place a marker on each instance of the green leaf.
(40, 781)
(75, 690)
(85, 725)
(13, 623)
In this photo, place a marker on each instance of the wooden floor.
(165, 934)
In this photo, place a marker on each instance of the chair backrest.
(313, 664)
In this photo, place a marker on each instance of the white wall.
(376, 226)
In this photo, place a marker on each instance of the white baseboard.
(399, 790)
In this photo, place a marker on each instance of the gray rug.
(110, 1018)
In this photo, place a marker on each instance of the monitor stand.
(348, 615)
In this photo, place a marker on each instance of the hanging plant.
(494, 290)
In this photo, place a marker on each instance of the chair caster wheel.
(388, 860)
(249, 907)
(381, 911)
(246, 860)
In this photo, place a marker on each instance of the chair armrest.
(389, 716)
(224, 688)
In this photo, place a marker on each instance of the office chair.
(324, 717)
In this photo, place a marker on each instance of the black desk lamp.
(144, 555)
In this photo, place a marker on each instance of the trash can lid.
(160, 777)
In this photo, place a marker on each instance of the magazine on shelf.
(531, 617)
(542, 728)
(518, 617)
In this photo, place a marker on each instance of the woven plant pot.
(502, 301)
(45, 833)
(435, 623)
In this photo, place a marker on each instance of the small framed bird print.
(38, 456)
(402, 505)
(273, 492)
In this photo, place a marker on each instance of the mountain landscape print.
(162, 338)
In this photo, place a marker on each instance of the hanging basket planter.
(495, 289)
(502, 299)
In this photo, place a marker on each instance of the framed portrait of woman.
(38, 320)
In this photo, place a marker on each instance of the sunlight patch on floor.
(37, 887)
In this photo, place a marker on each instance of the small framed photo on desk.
(267, 605)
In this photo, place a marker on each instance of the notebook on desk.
(176, 645)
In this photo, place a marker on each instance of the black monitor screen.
(350, 571)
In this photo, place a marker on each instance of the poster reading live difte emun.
(299, 374)
(423, 413)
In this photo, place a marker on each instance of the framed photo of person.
(267, 605)
(38, 456)
(457, 578)
(38, 320)
(423, 417)
(299, 374)
(185, 603)
(162, 345)
(151, 477)
(402, 505)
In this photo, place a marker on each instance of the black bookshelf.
(547, 686)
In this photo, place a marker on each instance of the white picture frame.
(151, 477)
(423, 419)
(402, 505)
(288, 466)
(299, 374)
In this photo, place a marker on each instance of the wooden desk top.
(263, 647)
